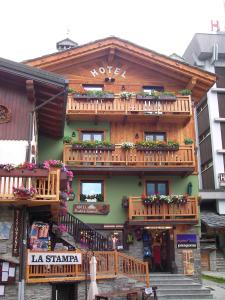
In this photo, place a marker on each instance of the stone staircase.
(220, 261)
(177, 287)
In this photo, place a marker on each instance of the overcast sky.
(31, 28)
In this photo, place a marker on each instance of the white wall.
(13, 152)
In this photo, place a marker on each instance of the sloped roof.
(125, 49)
(46, 85)
(212, 219)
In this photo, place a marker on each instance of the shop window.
(155, 136)
(92, 87)
(152, 88)
(92, 136)
(92, 191)
(159, 187)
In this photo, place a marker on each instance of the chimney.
(66, 44)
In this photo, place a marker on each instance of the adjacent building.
(207, 51)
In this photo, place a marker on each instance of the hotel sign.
(51, 258)
(91, 208)
(108, 70)
(222, 179)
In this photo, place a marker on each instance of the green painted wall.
(118, 186)
(49, 148)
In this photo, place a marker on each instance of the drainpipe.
(23, 241)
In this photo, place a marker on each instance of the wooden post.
(130, 209)
(147, 279)
(57, 184)
(116, 269)
(27, 267)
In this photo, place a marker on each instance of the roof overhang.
(213, 221)
(45, 85)
(198, 80)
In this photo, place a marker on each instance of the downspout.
(23, 241)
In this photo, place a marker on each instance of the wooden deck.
(47, 187)
(175, 111)
(109, 265)
(131, 159)
(167, 213)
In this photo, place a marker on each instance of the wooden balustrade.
(184, 157)
(181, 106)
(109, 265)
(47, 185)
(138, 211)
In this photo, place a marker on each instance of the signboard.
(222, 179)
(91, 208)
(186, 241)
(54, 258)
(109, 71)
(16, 232)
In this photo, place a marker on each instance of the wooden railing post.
(57, 184)
(27, 267)
(147, 279)
(130, 208)
(116, 266)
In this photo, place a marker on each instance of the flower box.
(142, 97)
(94, 97)
(99, 147)
(167, 97)
(166, 148)
(24, 173)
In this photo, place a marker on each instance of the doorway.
(158, 249)
(64, 291)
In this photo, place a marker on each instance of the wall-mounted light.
(123, 88)
(136, 136)
(73, 134)
(109, 79)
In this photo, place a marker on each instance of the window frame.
(93, 87)
(156, 182)
(154, 135)
(81, 181)
(91, 132)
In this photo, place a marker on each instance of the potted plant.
(67, 139)
(24, 193)
(157, 146)
(89, 145)
(127, 145)
(167, 96)
(147, 96)
(188, 141)
(92, 95)
(126, 95)
(185, 92)
(92, 198)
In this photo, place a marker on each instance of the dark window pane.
(151, 188)
(162, 188)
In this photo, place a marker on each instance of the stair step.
(185, 296)
(182, 292)
(170, 281)
(178, 286)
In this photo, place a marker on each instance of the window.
(155, 136)
(150, 88)
(159, 187)
(92, 87)
(91, 191)
(93, 136)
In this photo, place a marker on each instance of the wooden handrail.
(167, 212)
(184, 157)
(47, 187)
(109, 264)
(182, 105)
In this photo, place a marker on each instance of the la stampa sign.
(45, 258)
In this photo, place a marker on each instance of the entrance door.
(64, 291)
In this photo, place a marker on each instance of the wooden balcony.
(133, 109)
(46, 183)
(109, 265)
(180, 161)
(166, 214)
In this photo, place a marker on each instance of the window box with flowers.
(93, 95)
(23, 170)
(126, 95)
(127, 146)
(22, 193)
(157, 146)
(158, 199)
(147, 96)
(93, 145)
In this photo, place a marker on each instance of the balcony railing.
(184, 157)
(187, 212)
(180, 107)
(46, 183)
(109, 265)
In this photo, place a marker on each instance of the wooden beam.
(30, 90)
(191, 84)
(111, 55)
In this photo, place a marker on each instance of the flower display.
(62, 228)
(127, 145)
(159, 199)
(157, 145)
(24, 192)
(47, 164)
